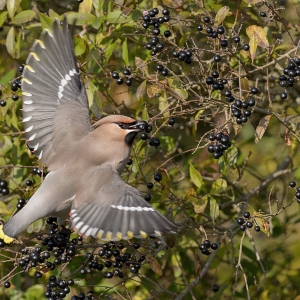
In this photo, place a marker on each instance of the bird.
(84, 159)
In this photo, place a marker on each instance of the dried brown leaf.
(261, 128)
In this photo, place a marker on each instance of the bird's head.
(120, 128)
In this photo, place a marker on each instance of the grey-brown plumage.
(85, 161)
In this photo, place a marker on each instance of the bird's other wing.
(55, 105)
(109, 209)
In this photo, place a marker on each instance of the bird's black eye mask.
(126, 125)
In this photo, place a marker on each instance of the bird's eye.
(121, 125)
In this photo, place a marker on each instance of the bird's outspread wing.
(110, 209)
(55, 105)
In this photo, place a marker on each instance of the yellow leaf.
(253, 1)
(214, 209)
(201, 205)
(191, 192)
(219, 186)
(85, 6)
(257, 37)
(221, 15)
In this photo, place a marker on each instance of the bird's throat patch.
(129, 138)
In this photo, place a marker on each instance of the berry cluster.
(120, 80)
(82, 296)
(287, 79)
(206, 246)
(150, 19)
(162, 69)
(241, 109)
(4, 187)
(183, 55)
(221, 142)
(297, 194)
(246, 223)
(37, 171)
(216, 84)
(218, 33)
(114, 258)
(21, 203)
(58, 288)
(152, 140)
(157, 177)
(16, 84)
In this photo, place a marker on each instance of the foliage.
(203, 194)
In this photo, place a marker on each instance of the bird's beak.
(138, 126)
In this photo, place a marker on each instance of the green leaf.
(125, 52)
(34, 292)
(232, 155)
(176, 88)
(163, 104)
(23, 17)
(80, 46)
(222, 165)
(117, 17)
(95, 103)
(98, 22)
(196, 177)
(46, 21)
(5, 78)
(2, 141)
(109, 50)
(12, 6)
(3, 16)
(145, 114)
(81, 18)
(11, 42)
(219, 186)
(136, 14)
(214, 208)
(53, 14)
(167, 143)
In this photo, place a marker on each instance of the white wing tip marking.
(27, 119)
(29, 129)
(32, 137)
(26, 94)
(41, 154)
(132, 208)
(36, 147)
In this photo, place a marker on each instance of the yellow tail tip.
(7, 239)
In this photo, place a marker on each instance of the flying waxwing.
(85, 160)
